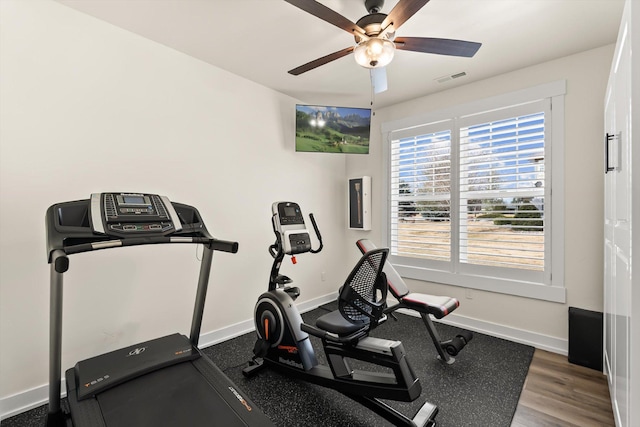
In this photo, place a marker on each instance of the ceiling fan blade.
(438, 46)
(321, 61)
(379, 79)
(323, 12)
(404, 10)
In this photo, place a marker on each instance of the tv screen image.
(325, 129)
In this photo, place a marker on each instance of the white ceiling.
(262, 39)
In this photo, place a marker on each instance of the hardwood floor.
(558, 393)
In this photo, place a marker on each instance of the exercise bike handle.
(274, 250)
(315, 228)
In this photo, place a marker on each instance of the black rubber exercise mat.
(482, 387)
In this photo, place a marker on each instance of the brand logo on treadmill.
(137, 351)
(240, 398)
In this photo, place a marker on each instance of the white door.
(617, 231)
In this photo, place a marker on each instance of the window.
(470, 200)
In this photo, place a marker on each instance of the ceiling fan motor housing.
(372, 26)
(376, 48)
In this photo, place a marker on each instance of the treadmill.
(163, 382)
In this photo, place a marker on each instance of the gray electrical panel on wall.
(360, 203)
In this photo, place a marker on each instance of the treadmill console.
(289, 223)
(133, 214)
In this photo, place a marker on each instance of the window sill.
(492, 284)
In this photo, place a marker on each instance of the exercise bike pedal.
(456, 344)
(466, 336)
(260, 349)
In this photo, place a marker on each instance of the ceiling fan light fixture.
(374, 52)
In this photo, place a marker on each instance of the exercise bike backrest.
(363, 297)
(292, 237)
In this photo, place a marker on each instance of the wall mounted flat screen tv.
(324, 129)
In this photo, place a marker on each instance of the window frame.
(551, 287)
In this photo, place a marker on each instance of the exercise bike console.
(292, 237)
(291, 232)
(289, 223)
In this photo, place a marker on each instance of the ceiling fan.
(375, 37)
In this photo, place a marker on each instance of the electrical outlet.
(468, 293)
(323, 276)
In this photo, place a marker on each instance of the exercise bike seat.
(361, 302)
(336, 323)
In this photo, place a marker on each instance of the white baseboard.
(32, 398)
(541, 341)
(26, 400)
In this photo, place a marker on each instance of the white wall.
(88, 107)
(586, 75)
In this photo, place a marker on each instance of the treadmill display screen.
(134, 200)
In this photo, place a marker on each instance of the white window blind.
(470, 200)
(502, 193)
(421, 196)
(468, 195)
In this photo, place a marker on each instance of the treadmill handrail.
(78, 238)
(212, 243)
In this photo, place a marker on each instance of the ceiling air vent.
(450, 77)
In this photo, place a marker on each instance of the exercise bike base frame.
(423, 418)
(321, 375)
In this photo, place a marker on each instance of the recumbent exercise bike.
(283, 338)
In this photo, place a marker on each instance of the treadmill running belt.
(173, 396)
